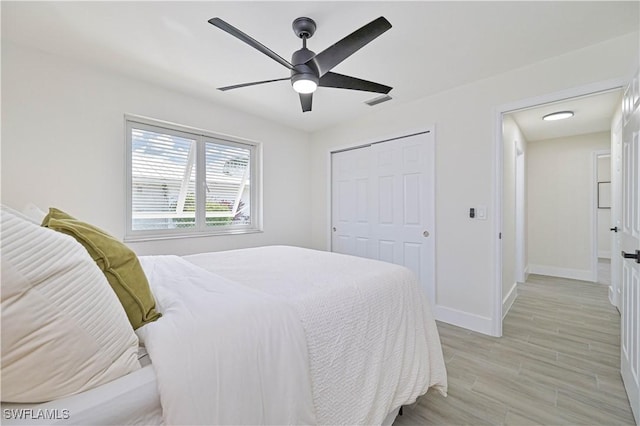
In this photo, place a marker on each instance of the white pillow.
(63, 329)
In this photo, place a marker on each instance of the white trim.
(604, 254)
(329, 200)
(594, 211)
(574, 92)
(463, 319)
(520, 217)
(496, 226)
(613, 297)
(499, 111)
(554, 271)
(187, 129)
(508, 300)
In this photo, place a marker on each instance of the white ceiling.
(593, 114)
(432, 46)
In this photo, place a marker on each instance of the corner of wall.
(463, 319)
(508, 300)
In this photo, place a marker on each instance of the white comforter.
(371, 337)
(224, 353)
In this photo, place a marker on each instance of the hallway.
(558, 362)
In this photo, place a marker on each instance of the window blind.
(227, 185)
(163, 181)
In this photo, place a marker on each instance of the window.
(187, 182)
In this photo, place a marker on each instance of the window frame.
(201, 137)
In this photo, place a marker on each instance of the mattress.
(131, 399)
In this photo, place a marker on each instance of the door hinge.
(500, 236)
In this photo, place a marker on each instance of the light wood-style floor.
(557, 363)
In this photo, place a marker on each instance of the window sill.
(172, 236)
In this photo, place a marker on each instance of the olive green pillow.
(119, 264)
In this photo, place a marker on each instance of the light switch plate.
(481, 212)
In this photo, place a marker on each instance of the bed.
(130, 399)
(268, 335)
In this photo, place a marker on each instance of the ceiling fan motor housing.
(301, 69)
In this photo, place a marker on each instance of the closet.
(382, 204)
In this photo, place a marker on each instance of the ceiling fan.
(308, 70)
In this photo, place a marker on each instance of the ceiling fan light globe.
(304, 82)
(305, 86)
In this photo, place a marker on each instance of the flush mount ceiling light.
(560, 115)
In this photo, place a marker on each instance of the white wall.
(513, 140)
(63, 145)
(465, 162)
(604, 215)
(560, 204)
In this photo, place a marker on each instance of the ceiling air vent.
(378, 100)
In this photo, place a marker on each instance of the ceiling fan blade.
(305, 101)
(237, 86)
(338, 52)
(224, 26)
(339, 81)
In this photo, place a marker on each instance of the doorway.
(514, 248)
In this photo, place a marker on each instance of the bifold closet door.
(383, 204)
(351, 202)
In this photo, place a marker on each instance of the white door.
(383, 204)
(350, 202)
(616, 214)
(630, 244)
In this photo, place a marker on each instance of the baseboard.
(463, 319)
(508, 300)
(604, 254)
(612, 296)
(554, 271)
(526, 273)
